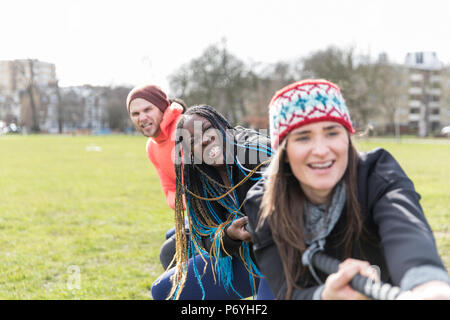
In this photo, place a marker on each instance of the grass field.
(80, 223)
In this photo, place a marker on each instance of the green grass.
(104, 213)
(427, 163)
(62, 206)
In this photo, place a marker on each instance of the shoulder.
(250, 136)
(261, 235)
(256, 192)
(253, 201)
(173, 113)
(170, 119)
(380, 176)
(378, 164)
(252, 147)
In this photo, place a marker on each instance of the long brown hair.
(283, 192)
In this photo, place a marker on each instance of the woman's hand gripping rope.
(237, 231)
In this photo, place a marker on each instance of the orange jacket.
(160, 151)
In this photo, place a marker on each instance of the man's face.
(146, 117)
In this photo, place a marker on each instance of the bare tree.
(387, 86)
(351, 73)
(59, 106)
(216, 78)
(7, 109)
(117, 114)
(261, 82)
(31, 90)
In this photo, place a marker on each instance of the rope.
(376, 290)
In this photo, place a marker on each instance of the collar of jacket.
(170, 116)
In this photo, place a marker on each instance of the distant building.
(423, 97)
(19, 79)
(30, 82)
(85, 109)
(423, 61)
(16, 74)
(428, 93)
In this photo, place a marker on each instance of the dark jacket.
(248, 158)
(399, 237)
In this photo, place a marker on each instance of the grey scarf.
(319, 221)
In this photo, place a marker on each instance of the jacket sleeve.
(167, 184)
(169, 191)
(266, 252)
(406, 237)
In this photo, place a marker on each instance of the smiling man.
(156, 117)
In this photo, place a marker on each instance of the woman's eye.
(333, 133)
(302, 138)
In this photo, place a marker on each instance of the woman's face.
(205, 141)
(318, 155)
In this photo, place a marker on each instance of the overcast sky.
(130, 42)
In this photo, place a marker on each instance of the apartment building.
(15, 75)
(428, 93)
(422, 97)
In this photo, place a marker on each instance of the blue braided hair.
(197, 184)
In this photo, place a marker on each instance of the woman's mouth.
(214, 152)
(321, 165)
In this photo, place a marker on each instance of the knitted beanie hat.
(152, 94)
(305, 102)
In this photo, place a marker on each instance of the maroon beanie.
(152, 94)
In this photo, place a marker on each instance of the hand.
(337, 285)
(236, 230)
(432, 290)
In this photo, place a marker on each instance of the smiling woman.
(318, 154)
(206, 142)
(215, 167)
(320, 194)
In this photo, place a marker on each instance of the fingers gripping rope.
(373, 289)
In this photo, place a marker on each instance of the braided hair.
(203, 194)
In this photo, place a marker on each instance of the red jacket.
(160, 151)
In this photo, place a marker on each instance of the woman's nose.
(320, 148)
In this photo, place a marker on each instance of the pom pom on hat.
(152, 94)
(305, 102)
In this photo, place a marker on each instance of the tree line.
(240, 90)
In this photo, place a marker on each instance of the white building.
(15, 75)
(427, 92)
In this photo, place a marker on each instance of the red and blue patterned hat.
(305, 102)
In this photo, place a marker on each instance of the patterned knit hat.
(305, 102)
(152, 94)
